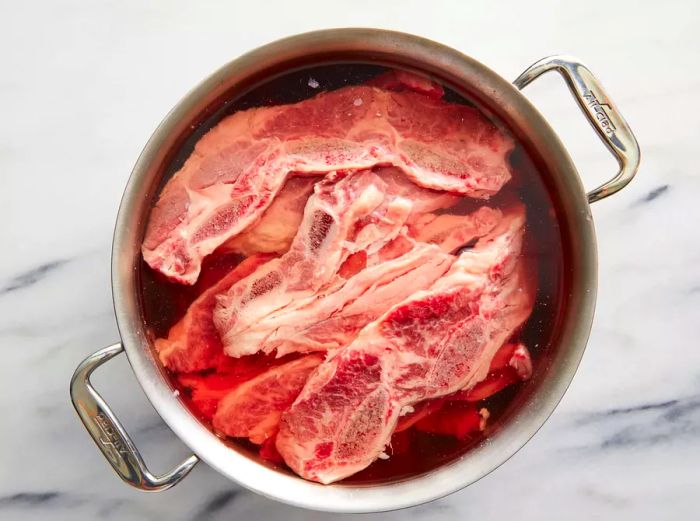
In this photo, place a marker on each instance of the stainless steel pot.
(391, 49)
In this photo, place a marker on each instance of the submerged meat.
(310, 300)
(451, 231)
(193, 343)
(510, 365)
(274, 232)
(400, 81)
(254, 408)
(237, 168)
(331, 318)
(423, 200)
(434, 343)
(409, 307)
(339, 219)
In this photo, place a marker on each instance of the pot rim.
(390, 48)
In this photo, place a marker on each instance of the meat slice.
(253, 409)
(400, 81)
(329, 314)
(193, 344)
(276, 229)
(423, 200)
(238, 167)
(346, 214)
(205, 389)
(434, 343)
(332, 318)
(515, 356)
(511, 364)
(452, 231)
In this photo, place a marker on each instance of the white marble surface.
(83, 84)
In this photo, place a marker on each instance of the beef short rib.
(310, 300)
(193, 343)
(338, 221)
(434, 343)
(254, 408)
(239, 166)
(276, 229)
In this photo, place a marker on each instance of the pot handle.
(600, 111)
(108, 433)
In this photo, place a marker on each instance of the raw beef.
(276, 229)
(511, 364)
(423, 200)
(332, 318)
(204, 390)
(434, 343)
(238, 167)
(193, 344)
(400, 81)
(254, 408)
(452, 231)
(347, 213)
(516, 357)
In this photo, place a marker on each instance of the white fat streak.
(485, 415)
(251, 313)
(423, 260)
(217, 196)
(406, 409)
(433, 262)
(374, 237)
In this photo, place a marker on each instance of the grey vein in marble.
(654, 194)
(647, 424)
(32, 276)
(216, 503)
(29, 498)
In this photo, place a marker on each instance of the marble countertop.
(83, 85)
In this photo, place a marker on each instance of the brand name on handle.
(600, 113)
(109, 437)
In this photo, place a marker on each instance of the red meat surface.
(268, 451)
(204, 390)
(237, 169)
(318, 298)
(253, 409)
(193, 343)
(433, 344)
(451, 231)
(456, 421)
(361, 251)
(276, 229)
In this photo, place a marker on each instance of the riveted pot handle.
(601, 113)
(108, 433)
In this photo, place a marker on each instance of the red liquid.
(414, 452)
